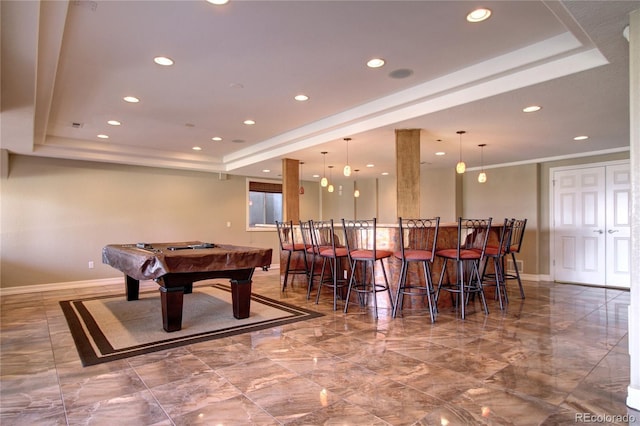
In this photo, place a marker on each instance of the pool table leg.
(241, 298)
(132, 287)
(171, 300)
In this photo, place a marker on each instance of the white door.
(579, 222)
(591, 225)
(618, 226)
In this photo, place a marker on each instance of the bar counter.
(388, 238)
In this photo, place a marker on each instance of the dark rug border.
(88, 355)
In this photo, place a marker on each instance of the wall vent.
(510, 266)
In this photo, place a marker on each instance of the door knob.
(611, 231)
(599, 231)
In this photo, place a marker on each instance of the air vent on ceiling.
(76, 125)
(88, 4)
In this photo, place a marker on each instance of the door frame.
(551, 212)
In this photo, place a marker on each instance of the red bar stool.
(467, 257)
(418, 238)
(332, 250)
(286, 235)
(496, 254)
(306, 231)
(514, 246)
(360, 236)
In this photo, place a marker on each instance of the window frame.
(261, 227)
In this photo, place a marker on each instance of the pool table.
(176, 266)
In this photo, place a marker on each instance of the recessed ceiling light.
(384, 173)
(371, 165)
(196, 148)
(440, 153)
(216, 138)
(131, 99)
(218, 2)
(580, 138)
(375, 63)
(114, 122)
(249, 122)
(266, 171)
(163, 60)
(532, 108)
(479, 15)
(103, 136)
(301, 98)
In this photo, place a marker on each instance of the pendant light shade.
(347, 168)
(324, 182)
(461, 167)
(482, 177)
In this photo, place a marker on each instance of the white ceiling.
(73, 62)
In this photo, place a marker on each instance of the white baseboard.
(633, 398)
(8, 291)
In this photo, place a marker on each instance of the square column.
(408, 172)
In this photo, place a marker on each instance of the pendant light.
(347, 168)
(330, 189)
(461, 167)
(356, 192)
(482, 177)
(300, 179)
(324, 182)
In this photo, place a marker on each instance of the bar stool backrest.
(306, 233)
(517, 235)
(505, 236)
(286, 235)
(360, 234)
(419, 234)
(473, 234)
(323, 234)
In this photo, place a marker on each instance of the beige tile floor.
(557, 357)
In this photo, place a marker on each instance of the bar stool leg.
(517, 274)
(324, 263)
(399, 292)
(286, 271)
(429, 285)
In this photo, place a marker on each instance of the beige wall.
(310, 201)
(437, 189)
(510, 192)
(56, 215)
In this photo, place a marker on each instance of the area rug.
(107, 328)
